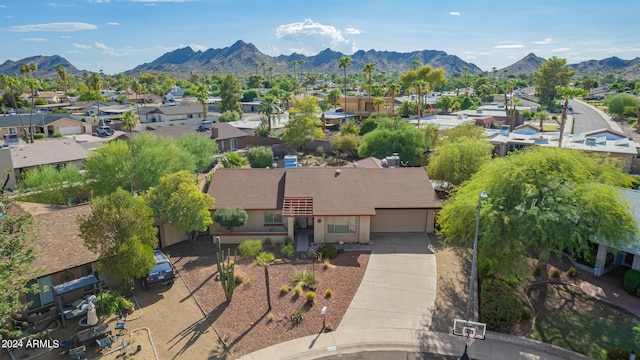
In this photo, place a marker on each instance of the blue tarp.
(74, 285)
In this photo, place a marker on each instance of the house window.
(341, 224)
(44, 296)
(12, 131)
(272, 218)
(233, 144)
(190, 116)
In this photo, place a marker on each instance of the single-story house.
(43, 123)
(363, 107)
(230, 138)
(62, 255)
(326, 204)
(25, 157)
(170, 113)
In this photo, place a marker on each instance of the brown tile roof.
(250, 189)
(355, 191)
(51, 151)
(176, 131)
(370, 162)
(227, 131)
(59, 245)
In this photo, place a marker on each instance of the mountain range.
(241, 59)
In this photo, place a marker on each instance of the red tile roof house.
(328, 204)
(230, 138)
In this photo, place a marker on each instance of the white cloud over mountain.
(310, 37)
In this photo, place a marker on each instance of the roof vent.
(590, 141)
(337, 173)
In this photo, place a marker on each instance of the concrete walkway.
(398, 290)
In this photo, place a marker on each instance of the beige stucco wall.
(364, 229)
(170, 235)
(405, 220)
(255, 228)
(320, 234)
(431, 221)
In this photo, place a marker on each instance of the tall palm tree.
(345, 62)
(465, 69)
(266, 107)
(137, 88)
(130, 121)
(264, 259)
(394, 88)
(62, 74)
(32, 83)
(271, 73)
(295, 76)
(256, 64)
(202, 94)
(377, 102)
(301, 63)
(369, 69)
(420, 86)
(95, 83)
(415, 64)
(13, 88)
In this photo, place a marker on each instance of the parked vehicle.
(162, 274)
(104, 131)
(205, 125)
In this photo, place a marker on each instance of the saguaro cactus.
(226, 272)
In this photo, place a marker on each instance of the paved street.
(586, 118)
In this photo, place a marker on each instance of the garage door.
(70, 130)
(399, 221)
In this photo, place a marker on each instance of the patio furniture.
(104, 343)
(96, 332)
(121, 327)
(78, 352)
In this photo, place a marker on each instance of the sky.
(118, 35)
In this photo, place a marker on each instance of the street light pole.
(474, 261)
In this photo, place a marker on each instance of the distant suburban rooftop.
(51, 151)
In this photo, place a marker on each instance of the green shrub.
(632, 281)
(328, 293)
(297, 316)
(555, 274)
(618, 354)
(297, 290)
(38, 136)
(56, 135)
(110, 303)
(500, 307)
(268, 243)
(527, 313)
(287, 249)
(287, 240)
(311, 296)
(572, 272)
(304, 278)
(238, 277)
(250, 248)
(328, 251)
(284, 289)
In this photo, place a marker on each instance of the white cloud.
(509, 46)
(312, 37)
(65, 37)
(101, 46)
(561, 50)
(194, 47)
(454, 13)
(113, 23)
(59, 5)
(81, 46)
(57, 26)
(471, 57)
(275, 49)
(543, 42)
(109, 50)
(160, 1)
(34, 39)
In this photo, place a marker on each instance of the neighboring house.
(143, 98)
(363, 107)
(326, 204)
(58, 152)
(61, 253)
(50, 97)
(149, 114)
(174, 132)
(175, 94)
(230, 138)
(43, 123)
(628, 254)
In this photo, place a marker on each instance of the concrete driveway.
(398, 290)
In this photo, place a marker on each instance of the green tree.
(468, 130)
(565, 93)
(33, 84)
(616, 104)
(203, 149)
(12, 87)
(233, 160)
(201, 92)
(130, 121)
(368, 69)
(178, 199)
(394, 89)
(344, 63)
(64, 77)
(431, 135)
(230, 94)
(228, 116)
(17, 236)
(260, 157)
(267, 107)
(95, 84)
(540, 200)
(230, 218)
(264, 259)
(120, 229)
(345, 142)
(108, 168)
(334, 97)
(456, 161)
(394, 136)
(444, 103)
(303, 126)
(551, 74)
(48, 185)
(377, 102)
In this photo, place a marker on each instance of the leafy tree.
(617, 104)
(394, 136)
(48, 185)
(201, 148)
(178, 199)
(17, 254)
(260, 157)
(230, 94)
(231, 218)
(456, 161)
(303, 126)
(431, 135)
(468, 130)
(540, 199)
(250, 95)
(120, 229)
(201, 92)
(377, 102)
(334, 97)
(130, 121)
(95, 84)
(345, 142)
(228, 116)
(264, 259)
(551, 74)
(109, 168)
(368, 125)
(233, 160)
(444, 103)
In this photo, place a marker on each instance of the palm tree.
(266, 107)
(345, 62)
(137, 88)
(301, 63)
(95, 83)
(13, 87)
(202, 94)
(369, 69)
(295, 77)
(271, 73)
(394, 88)
(465, 69)
(256, 64)
(130, 121)
(377, 102)
(264, 259)
(32, 83)
(415, 64)
(420, 86)
(62, 74)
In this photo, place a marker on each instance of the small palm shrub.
(284, 289)
(250, 248)
(311, 296)
(297, 290)
(328, 293)
(304, 278)
(297, 316)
